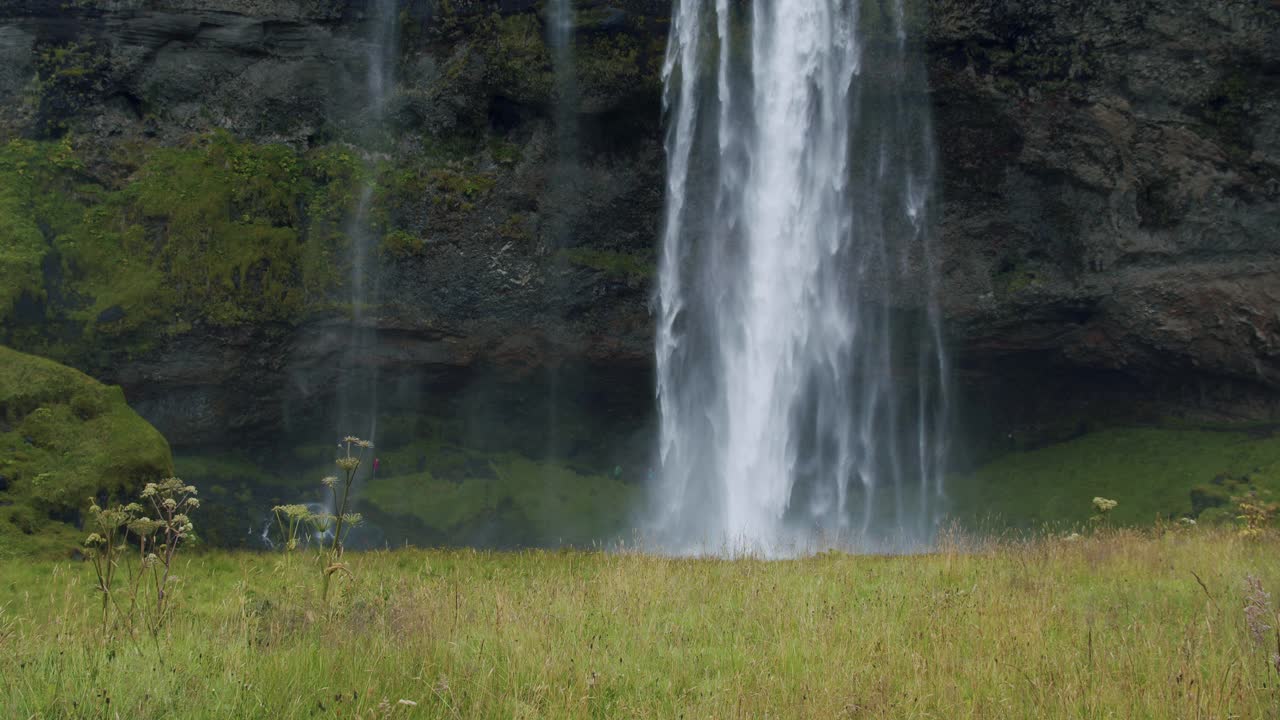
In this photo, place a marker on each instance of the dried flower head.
(1103, 505)
(293, 512)
(329, 481)
(144, 527)
(1257, 609)
(348, 464)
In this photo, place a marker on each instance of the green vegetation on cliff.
(63, 438)
(214, 231)
(622, 266)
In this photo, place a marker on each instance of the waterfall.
(357, 410)
(800, 370)
(565, 168)
(563, 191)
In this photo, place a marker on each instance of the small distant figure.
(377, 465)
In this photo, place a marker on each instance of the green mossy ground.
(63, 438)
(508, 500)
(437, 485)
(1154, 473)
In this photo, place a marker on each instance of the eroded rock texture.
(1112, 188)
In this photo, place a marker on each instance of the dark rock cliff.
(1110, 222)
(1112, 197)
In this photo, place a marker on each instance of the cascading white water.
(800, 369)
(357, 410)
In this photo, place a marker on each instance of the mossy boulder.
(65, 437)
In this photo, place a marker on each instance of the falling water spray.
(801, 377)
(563, 187)
(357, 401)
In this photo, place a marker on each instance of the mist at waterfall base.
(799, 363)
(463, 454)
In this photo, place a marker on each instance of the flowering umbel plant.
(342, 521)
(172, 500)
(157, 540)
(290, 520)
(1102, 507)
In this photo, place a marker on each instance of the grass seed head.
(1257, 609)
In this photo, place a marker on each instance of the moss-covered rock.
(65, 437)
(214, 230)
(618, 265)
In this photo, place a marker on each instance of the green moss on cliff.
(517, 61)
(212, 229)
(1152, 472)
(39, 198)
(623, 266)
(63, 438)
(423, 191)
(69, 76)
(215, 231)
(613, 66)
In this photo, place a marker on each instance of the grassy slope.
(1150, 471)
(63, 437)
(1113, 626)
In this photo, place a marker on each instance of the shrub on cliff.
(64, 437)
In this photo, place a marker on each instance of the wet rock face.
(1110, 187)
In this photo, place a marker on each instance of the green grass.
(1108, 626)
(1150, 471)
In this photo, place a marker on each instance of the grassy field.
(1112, 625)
